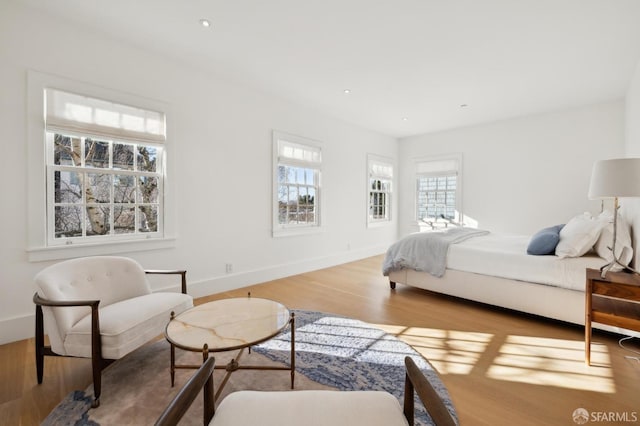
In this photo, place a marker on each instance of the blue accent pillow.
(544, 242)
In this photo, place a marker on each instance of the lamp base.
(615, 261)
(625, 268)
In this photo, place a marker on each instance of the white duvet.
(506, 256)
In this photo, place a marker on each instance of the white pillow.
(624, 251)
(578, 236)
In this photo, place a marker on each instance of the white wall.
(630, 207)
(522, 174)
(222, 143)
(632, 116)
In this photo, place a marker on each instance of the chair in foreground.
(101, 308)
(309, 408)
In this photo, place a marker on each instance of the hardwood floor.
(501, 367)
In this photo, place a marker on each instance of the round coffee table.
(226, 325)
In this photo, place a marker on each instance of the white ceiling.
(409, 64)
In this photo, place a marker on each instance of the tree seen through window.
(103, 187)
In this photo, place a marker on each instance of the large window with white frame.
(297, 190)
(379, 184)
(104, 169)
(97, 170)
(438, 194)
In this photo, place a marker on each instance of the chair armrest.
(203, 378)
(415, 380)
(96, 342)
(181, 272)
(46, 302)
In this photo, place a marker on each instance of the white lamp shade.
(619, 177)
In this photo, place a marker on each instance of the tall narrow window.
(297, 164)
(438, 189)
(104, 170)
(379, 182)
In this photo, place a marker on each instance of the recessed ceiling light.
(347, 91)
(205, 23)
(405, 119)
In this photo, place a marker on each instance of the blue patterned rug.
(333, 351)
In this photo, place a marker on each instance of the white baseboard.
(19, 328)
(247, 278)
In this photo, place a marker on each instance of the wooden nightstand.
(613, 300)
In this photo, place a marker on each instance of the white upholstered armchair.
(100, 308)
(310, 408)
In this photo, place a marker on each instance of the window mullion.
(112, 207)
(83, 191)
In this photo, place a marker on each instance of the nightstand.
(613, 300)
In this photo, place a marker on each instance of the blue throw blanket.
(426, 251)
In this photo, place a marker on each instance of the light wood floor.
(501, 367)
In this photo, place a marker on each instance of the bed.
(495, 269)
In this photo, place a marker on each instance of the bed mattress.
(506, 256)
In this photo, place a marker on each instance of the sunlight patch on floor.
(391, 329)
(552, 362)
(524, 359)
(449, 351)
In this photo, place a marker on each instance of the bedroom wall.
(632, 116)
(522, 174)
(630, 207)
(222, 133)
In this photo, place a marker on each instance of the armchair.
(101, 308)
(311, 408)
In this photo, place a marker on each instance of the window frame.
(39, 246)
(439, 166)
(373, 159)
(437, 190)
(289, 229)
(52, 168)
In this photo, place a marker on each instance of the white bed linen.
(506, 256)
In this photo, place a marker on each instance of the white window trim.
(37, 248)
(279, 230)
(374, 223)
(457, 158)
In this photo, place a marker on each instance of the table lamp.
(613, 179)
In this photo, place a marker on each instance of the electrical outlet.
(228, 267)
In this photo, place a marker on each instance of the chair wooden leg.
(97, 381)
(97, 361)
(39, 344)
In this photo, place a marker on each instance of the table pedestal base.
(234, 365)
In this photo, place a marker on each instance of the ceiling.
(411, 66)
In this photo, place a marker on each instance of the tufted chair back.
(109, 279)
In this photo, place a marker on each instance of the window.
(297, 165)
(438, 189)
(437, 197)
(105, 186)
(379, 184)
(97, 171)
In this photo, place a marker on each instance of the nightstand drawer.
(613, 300)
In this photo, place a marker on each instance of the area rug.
(332, 352)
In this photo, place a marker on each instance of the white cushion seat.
(126, 325)
(309, 408)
